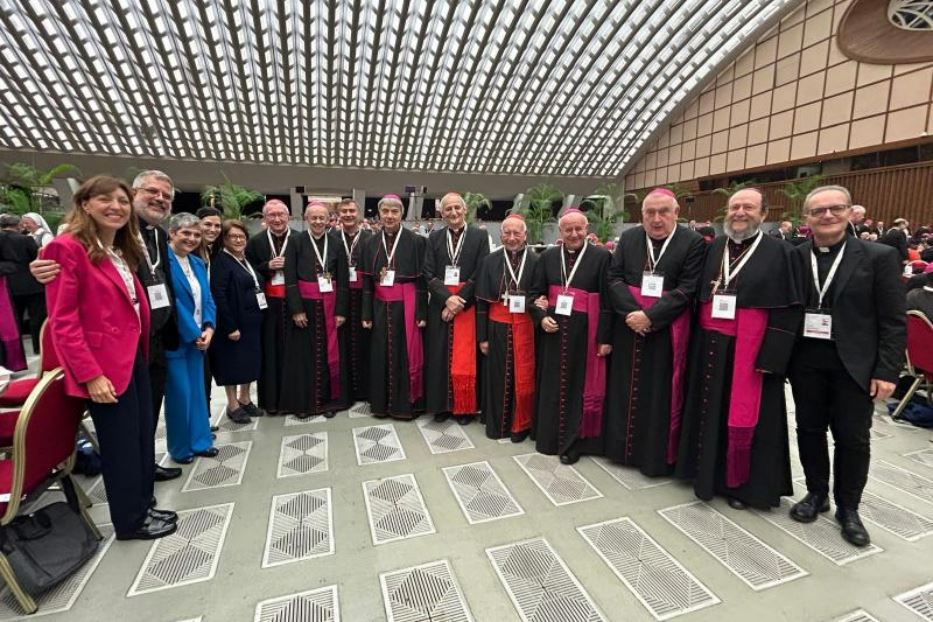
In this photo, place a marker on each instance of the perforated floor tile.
(301, 526)
(630, 477)
(821, 535)
(744, 555)
(922, 456)
(224, 469)
(376, 444)
(918, 600)
(63, 596)
(859, 615)
(396, 509)
(480, 493)
(443, 437)
(360, 410)
(190, 555)
(657, 580)
(560, 483)
(540, 585)
(895, 518)
(428, 593)
(902, 479)
(302, 454)
(320, 605)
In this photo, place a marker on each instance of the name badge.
(278, 278)
(652, 285)
(516, 304)
(724, 306)
(452, 275)
(388, 278)
(564, 304)
(261, 301)
(324, 284)
(352, 274)
(158, 296)
(817, 325)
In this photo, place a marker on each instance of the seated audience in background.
(28, 296)
(896, 237)
(35, 226)
(921, 298)
(99, 323)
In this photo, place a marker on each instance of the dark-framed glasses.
(835, 210)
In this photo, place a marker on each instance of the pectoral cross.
(382, 273)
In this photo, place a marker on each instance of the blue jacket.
(188, 331)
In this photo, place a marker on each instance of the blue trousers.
(187, 421)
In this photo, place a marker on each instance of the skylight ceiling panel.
(366, 76)
(413, 31)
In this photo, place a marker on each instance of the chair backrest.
(920, 341)
(48, 360)
(44, 438)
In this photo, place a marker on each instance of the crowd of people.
(668, 353)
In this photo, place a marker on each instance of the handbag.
(48, 546)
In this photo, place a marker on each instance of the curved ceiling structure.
(515, 87)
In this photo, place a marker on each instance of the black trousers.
(157, 372)
(35, 305)
(124, 431)
(826, 396)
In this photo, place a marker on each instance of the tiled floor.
(361, 520)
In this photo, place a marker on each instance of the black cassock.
(395, 388)
(643, 395)
(439, 375)
(711, 446)
(562, 357)
(259, 253)
(354, 339)
(493, 283)
(310, 372)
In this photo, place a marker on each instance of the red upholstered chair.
(18, 390)
(919, 356)
(43, 453)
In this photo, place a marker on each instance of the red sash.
(406, 294)
(275, 291)
(310, 290)
(523, 344)
(463, 359)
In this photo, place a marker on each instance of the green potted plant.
(229, 198)
(536, 205)
(474, 202)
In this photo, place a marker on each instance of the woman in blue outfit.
(187, 421)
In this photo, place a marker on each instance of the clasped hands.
(454, 305)
(301, 320)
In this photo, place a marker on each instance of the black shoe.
(164, 474)
(463, 419)
(807, 509)
(187, 460)
(252, 410)
(571, 456)
(238, 415)
(151, 529)
(330, 414)
(381, 415)
(164, 515)
(441, 417)
(736, 504)
(519, 437)
(215, 428)
(853, 531)
(210, 452)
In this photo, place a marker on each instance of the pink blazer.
(93, 325)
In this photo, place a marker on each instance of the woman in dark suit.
(236, 353)
(99, 323)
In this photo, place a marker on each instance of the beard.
(750, 231)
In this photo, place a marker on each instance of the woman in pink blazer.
(99, 323)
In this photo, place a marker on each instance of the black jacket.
(897, 239)
(16, 251)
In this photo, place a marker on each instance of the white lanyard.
(521, 266)
(351, 248)
(563, 266)
(288, 233)
(727, 273)
(652, 261)
(453, 253)
(245, 265)
(142, 242)
(322, 260)
(389, 256)
(821, 291)
(927, 288)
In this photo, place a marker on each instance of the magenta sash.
(358, 283)
(748, 328)
(406, 294)
(310, 290)
(680, 337)
(594, 384)
(9, 333)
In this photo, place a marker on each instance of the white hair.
(821, 189)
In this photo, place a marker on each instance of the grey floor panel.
(657, 580)
(320, 605)
(376, 444)
(224, 469)
(396, 509)
(560, 483)
(922, 456)
(301, 526)
(443, 437)
(540, 585)
(480, 493)
(859, 615)
(302, 454)
(63, 596)
(879, 435)
(425, 593)
(360, 410)
(292, 420)
(744, 555)
(822, 535)
(226, 425)
(902, 479)
(190, 555)
(97, 492)
(629, 477)
(918, 600)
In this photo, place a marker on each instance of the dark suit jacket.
(164, 321)
(16, 251)
(868, 309)
(896, 239)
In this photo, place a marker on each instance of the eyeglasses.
(155, 192)
(835, 210)
(236, 236)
